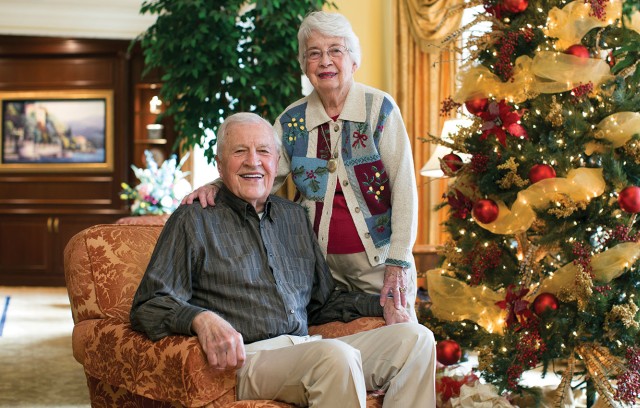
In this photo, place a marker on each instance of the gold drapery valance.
(431, 21)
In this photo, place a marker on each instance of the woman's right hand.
(205, 194)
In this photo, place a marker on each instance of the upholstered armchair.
(103, 267)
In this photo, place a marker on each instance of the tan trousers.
(398, 359)
(354, 272)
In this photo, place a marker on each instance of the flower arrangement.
(160, 189)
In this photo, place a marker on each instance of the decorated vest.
(361, 158)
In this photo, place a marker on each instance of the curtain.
(432, 21)
(423, 76)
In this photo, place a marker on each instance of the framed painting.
(56, 131)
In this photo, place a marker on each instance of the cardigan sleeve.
(396, 155)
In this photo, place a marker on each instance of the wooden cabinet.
(32, 246)
(42, 208)
(149, 133)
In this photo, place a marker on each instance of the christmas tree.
(542, 266)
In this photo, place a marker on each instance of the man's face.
(248, 162)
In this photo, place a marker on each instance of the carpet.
(37, 368)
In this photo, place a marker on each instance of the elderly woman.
(348, 152)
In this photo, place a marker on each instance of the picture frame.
(56, 131)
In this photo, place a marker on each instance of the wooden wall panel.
(45, 73)
(46, 208)
(45, 63)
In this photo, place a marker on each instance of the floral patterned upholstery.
(103, 267)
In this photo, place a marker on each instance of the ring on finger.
(402, 289)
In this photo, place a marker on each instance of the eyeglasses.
(335, 52)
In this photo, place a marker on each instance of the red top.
(343, 235)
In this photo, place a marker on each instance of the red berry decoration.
(477, 105)
(486, 211)
(452, 162)
(578, 50)
(448, 352)
(545, 301)
(541, 172)
(629, 199)
(515, 6)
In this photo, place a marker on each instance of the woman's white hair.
(329, 25)
(243, 118)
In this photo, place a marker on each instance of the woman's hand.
(395, 283)
(221, 343)
(205, 194)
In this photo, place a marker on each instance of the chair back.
(103, 267)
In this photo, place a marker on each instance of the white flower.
(160, 189)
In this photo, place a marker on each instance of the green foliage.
(220, 57)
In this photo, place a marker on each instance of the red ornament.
(541, 172)
(629, 199)
(450, 163)
(545, 301)
(515, 6)
(578, 50)
(448, 352)
(477, 105)
(486, 211)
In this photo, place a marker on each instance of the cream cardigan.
(375, 168)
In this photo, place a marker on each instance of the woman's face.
(329, 74)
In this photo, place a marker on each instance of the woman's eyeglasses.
(335, 52)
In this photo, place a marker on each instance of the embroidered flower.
(375, 183)
(294, 129)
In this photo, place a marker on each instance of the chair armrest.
(172, 369)
(340, 329)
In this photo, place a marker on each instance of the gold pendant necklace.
(332, 163)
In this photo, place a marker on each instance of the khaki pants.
(353, 272)
(326, 373)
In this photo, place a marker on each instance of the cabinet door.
(32, 246)
(25, 248)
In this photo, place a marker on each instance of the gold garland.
(632, 149)
(626, 314)
(511, 178)
(554, 116)
(565, 206)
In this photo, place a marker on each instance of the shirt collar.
(243, 208)
(354, 109)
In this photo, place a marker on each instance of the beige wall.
(371, 21)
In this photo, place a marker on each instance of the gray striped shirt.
(266, 277)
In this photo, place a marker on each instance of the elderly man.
(247, 277)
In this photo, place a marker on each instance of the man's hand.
(393, 315)
(395, 283)
(222, 344)
(206, 194)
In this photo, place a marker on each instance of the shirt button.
(375, 258)
(291, 311)
(357, 209)
(336, 127)
(345, 183)
(367, 235)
